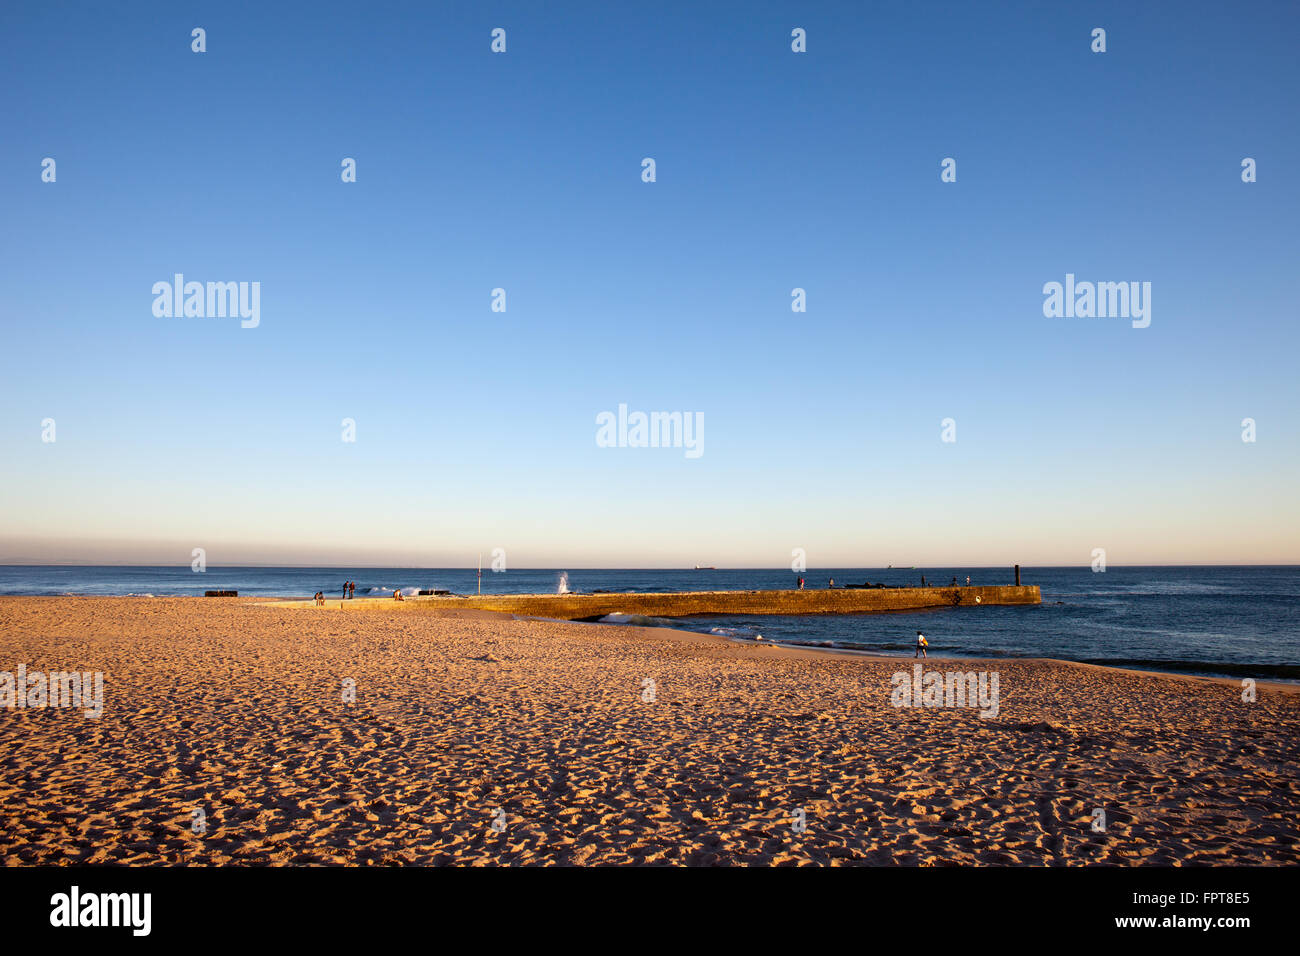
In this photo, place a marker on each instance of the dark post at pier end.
(1017, 575)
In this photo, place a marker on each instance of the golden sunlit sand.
(550, 730)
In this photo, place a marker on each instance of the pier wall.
(682, 604)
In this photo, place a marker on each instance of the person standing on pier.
(921, 645)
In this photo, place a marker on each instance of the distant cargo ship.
(705, 567)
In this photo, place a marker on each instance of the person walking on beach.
(832, 584)
(968, 580)
(352, 590)
(801, 584)
(320, 598)
(921, 645)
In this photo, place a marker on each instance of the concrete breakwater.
(572, 607)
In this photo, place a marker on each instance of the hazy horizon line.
(663, 567)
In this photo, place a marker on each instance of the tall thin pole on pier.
(480, 572)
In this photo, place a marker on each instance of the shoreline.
(426, 605)
(381, 603)
(1234, 682)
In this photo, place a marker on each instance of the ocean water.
(1228, 621)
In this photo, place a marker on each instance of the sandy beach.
(477, 738)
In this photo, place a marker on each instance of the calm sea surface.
(1234, 621)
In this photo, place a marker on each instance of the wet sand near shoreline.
(477, 738)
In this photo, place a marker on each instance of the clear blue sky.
(775, 170)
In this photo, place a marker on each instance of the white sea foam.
(737, 633)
